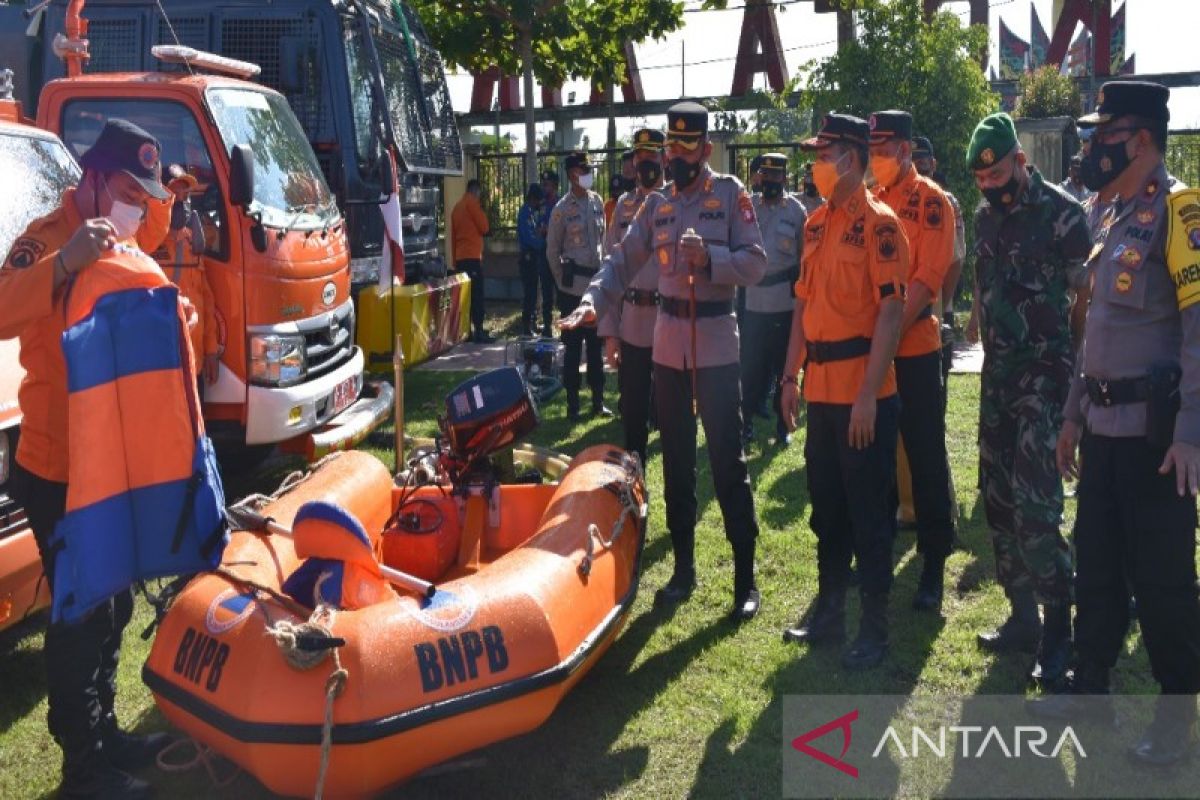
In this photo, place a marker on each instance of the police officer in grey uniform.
(628, 326)
(767, 321)
(701, 233)
(574, 247)
(1135, 401)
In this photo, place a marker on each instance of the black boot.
(869, 648)
(572, 404)
(826, 624)
(1084, 698)
(128, 751)
(1050, 668)
(598, 407)
(931, 586)
(87, 774)
(1171, 737)
(1020, 633)
(746, 597)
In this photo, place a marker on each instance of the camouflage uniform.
(1027, 262)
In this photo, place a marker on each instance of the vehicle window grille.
(115, 44)
(261, 41)
(422, 114)
(192, 32)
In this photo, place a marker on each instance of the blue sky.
(1161, 32)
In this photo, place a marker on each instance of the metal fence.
(502, 182)
(1183, 156)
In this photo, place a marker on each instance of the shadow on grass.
(573, 754)
(23, 676)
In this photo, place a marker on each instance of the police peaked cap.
(687, 124)
(649, 139)
(577, 160)
(1125, 98)
(773, 161)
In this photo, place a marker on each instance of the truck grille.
(328, 340)
(12, 516)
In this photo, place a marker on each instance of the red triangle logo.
(842, 723)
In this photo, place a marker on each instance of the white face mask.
(125, 218)
(585, 180)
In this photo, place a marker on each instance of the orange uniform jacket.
(928, 220)
(31, 310)
(855, 259)
(468, 226)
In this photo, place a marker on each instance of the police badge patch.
(1183, 242)
(25, 253)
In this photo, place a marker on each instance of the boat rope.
(304, 646)
(205, 756)
(630, 493)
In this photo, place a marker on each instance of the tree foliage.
(1045, 92)
(571, 38)
(930, 70)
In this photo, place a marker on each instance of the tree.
(549, 39)
(929, 69)
(1045, 92)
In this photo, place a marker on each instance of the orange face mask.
(886, 169)
(826, 175)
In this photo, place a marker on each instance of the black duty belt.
(679, 307)
(840, 350)
(783, 276)
(1118, 393)
(641, 297)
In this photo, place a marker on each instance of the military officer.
(1135, 401)
(700, 231)
(767, 320)
(1031, 241)
(628, 326)
(574, 247)
(845, 328)
(928, 222)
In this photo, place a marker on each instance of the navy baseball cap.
(124, 147)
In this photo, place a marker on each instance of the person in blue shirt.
(531, 232)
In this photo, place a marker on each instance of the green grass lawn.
(688, 705)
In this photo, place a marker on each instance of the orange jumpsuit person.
(120, 186)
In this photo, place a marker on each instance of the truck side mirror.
(241, 175)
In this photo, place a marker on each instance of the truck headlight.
(277, 360)
(4, 457)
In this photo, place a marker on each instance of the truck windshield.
(37, 172)
(289, 190)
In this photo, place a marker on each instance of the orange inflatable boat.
(533, 583)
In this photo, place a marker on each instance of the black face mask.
(1103, 164)
(810, 189)
(649, 173)
(683, 172)
(772, 190)
(1003, 198)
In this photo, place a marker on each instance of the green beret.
(994, 137)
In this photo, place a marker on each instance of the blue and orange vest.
(144, 497)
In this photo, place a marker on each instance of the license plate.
(344, 394)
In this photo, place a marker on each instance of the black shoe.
(871, 644)
(95, 779)
(1054, 651)
(1171, 737)
(746, 608)
(1020, 633)
(599, 409)
(677, 590)
(931, 586)
(826, 624)
(130, 751)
